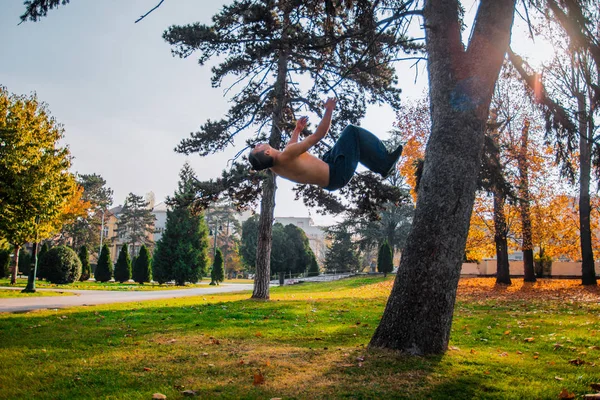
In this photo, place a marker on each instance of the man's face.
(262, 147)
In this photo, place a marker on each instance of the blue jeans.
(355, 145)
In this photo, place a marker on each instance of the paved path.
(93, 297)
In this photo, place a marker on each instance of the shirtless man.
(335, 169)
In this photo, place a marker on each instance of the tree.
(24, 261)
(341, 256)
(142, 271)
(217, 274)
(136, 221)
(182, 252)
(104, 268)
(249, 242)
(385, 264)
(41, 254)
(461, 80)
(298, 254)
(4, 263)
(224, 226)
(123, 265)
(283, 55)
(37, 192)
(86, 270)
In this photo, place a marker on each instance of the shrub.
(84, 257)
(24, 261)
(123, 265)
(384, 259)
(4, 263)
(313, 266)
(217, 274)
(104, 269)
(62, 265)
(141, 267)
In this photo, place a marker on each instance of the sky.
(125, 102)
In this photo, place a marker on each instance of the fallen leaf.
(595, 386)
(158, 396)
(258, 334)
(259, 378)
(529, 339)
(473, 351)
(594, 347)
(189, 393)
(519, 352)
(558, 378)
(242, 362)
(454, 348)
(592, 396)
(147, 369)
(564, 394)
(577, 361)
(557, 346)
(507, 332)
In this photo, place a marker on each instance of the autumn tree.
(38, 195)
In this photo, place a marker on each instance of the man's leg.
(371, 151)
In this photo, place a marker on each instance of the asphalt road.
(93, 297)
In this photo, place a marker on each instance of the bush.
(141, 267)
(84, 257)
(123, 265)
(217, 274)
(41, 273)
(104, 269)
(24, 261)
(385, 263)
(62, 265)
(4, 263)
(313, 266)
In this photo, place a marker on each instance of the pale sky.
(125, 102)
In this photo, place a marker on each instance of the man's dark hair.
(260, 160)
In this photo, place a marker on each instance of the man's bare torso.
(304, 168)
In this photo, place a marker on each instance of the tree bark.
(15, 270)
(267, 205)
(588, 272)
(418, 315)
(500, 239)
(524, 205)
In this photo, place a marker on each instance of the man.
(335, 169)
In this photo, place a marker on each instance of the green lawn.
(8, 293)
(309, 342)
(128, 286)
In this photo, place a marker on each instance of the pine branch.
(148, 13)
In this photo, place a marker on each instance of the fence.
(559, 269)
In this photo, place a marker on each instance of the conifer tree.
(217, 274)
(41, 273)
(141, 267)
(123, 265)
(85, 264)
(385, 263)
(342, 255)
(182, 252)
(285, 56)
(136, 221)
(313, 266)
(104, 268)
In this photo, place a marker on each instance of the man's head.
(260, 157)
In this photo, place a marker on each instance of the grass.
(127, 286)
(309, 342)
(10, 293)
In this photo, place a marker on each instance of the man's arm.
(296, 149)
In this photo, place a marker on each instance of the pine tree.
(41, 273)
(136, 221)
(24, 262)
(182, 252)
(217, 274)
(85, 264)
(385, 263)
(123, 265)
(104, 268)
(141, 267)
(342, 255)
(280, 45)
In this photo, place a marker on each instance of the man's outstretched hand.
(330, 103)
(301, 124)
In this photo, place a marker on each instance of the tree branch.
(148, 13)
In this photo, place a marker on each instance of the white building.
(316, 234)
(160, 212)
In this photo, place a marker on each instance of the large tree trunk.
(15, 270)
(500, 239)
(588, 272)
(418, 315)
(524, 205)
(267, 205)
